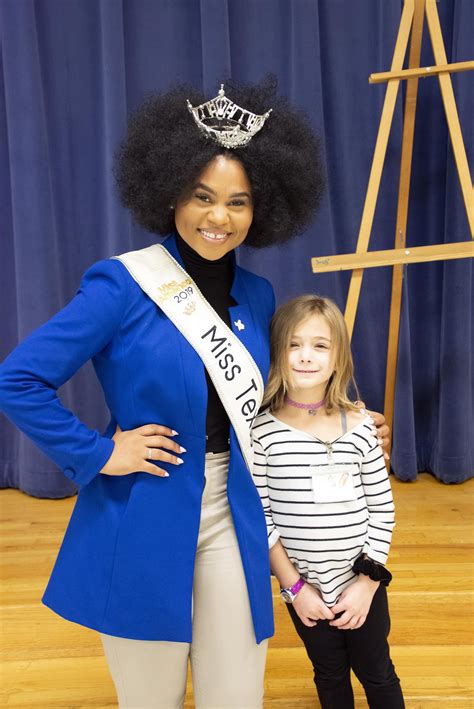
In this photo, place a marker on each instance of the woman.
(167, 541)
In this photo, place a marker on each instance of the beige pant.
(226, 663)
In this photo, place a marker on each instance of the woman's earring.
(171, 207)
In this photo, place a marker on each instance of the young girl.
(328, 505)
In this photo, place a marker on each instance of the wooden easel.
(411, 26)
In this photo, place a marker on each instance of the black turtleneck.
(214, 280)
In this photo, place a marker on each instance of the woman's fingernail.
(182, 450)
(180, 460)
(363, 411)
(174, 433)
(379, 441)
(166, 475)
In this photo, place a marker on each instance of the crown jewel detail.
(225, 122)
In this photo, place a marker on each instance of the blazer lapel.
(242, 321)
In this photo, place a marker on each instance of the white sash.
(233, 371)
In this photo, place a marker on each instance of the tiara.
(226, 123)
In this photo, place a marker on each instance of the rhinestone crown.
(226, 123)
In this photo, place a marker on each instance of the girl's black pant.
(334, 652)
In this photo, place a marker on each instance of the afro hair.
(164, 153)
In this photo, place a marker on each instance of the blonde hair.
(283, 325)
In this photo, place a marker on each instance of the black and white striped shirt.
(323, 538)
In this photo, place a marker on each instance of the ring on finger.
(149, 452)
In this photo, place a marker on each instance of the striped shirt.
(322, 530)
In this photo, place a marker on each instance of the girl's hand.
(383, 431)
(310, 606)
(133, 449)
(354, 603)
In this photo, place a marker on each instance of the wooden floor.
(48, 663)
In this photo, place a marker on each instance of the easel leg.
(378, 161)
(452, 117)
(402, 212)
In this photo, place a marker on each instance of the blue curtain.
(71, 70)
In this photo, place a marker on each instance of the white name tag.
(333, 483)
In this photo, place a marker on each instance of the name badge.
(333, 483)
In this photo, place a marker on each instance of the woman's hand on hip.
(135, 448)
(310, 606)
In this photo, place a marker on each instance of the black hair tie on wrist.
(370, 568)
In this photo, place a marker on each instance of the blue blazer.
(126, 564)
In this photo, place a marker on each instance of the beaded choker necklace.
(312, 409)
